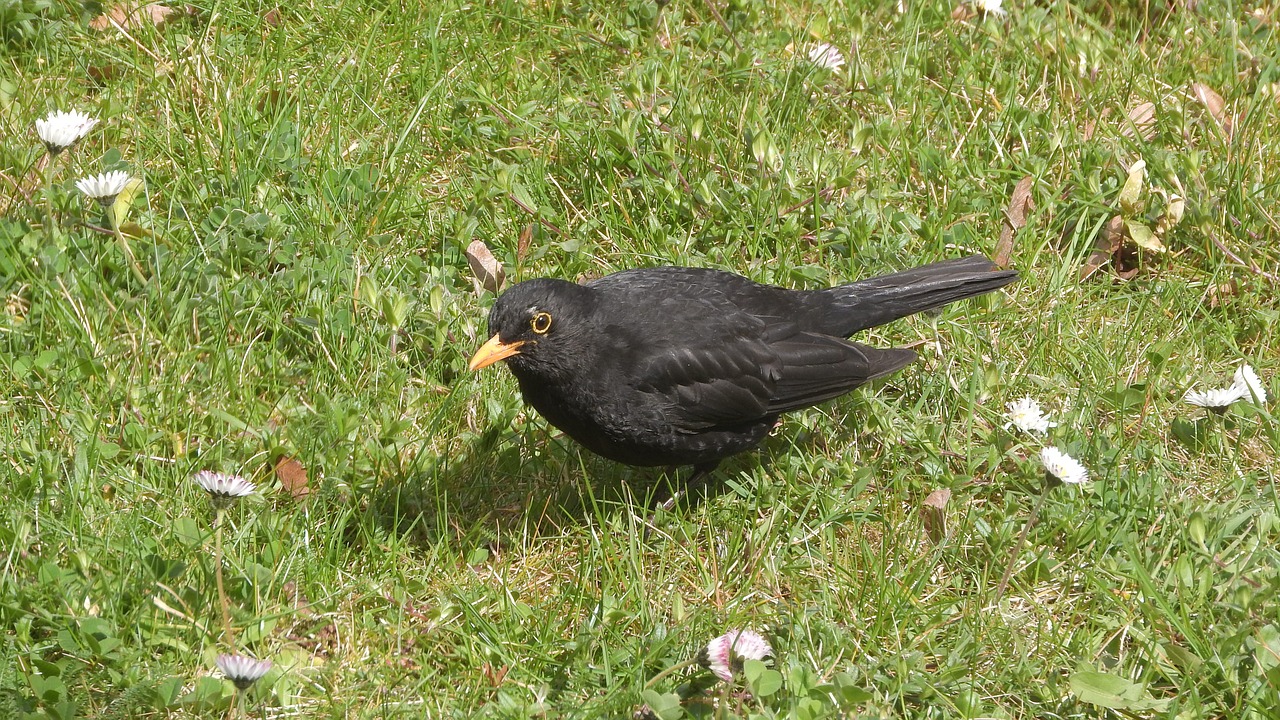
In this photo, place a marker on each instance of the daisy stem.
(666, 673)
(1017, 546)
(228, 636)
(48, 196)
(124, 245)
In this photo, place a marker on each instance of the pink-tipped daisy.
(826, 56)
(242, 670)
(724, 655)
(223, 488)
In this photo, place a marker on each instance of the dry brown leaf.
(1214, 103)
(1115, 246)
(297, 599)
(1092, 125)
(131, 14)
(933, 513)
(1015, 218)
(273, 17)
(1104, 248)
(522, 245)
(1222, 293)
(486, 268)
(1125, 262)
(1141, 121)
(292, 477)
(104, 72)
(273, 98)
(495, 675)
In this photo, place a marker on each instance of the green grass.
(311, 186)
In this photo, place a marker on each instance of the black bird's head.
(540, 327)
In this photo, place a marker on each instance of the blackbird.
(687, 366)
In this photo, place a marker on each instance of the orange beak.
(493, 351)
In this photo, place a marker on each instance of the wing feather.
(816, 368)
(713, 384)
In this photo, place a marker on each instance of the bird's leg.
(670, 488)
(695, 482)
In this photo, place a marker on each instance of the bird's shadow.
(530, 481)
(527, 478)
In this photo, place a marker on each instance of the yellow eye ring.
(541, 323)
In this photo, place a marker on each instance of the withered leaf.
(273, 98)
(488, 272)
(1015, 218)
(297, 599)
(522, 245)
(292, 477)
(1222, 293)
(1092, 125)
(1141, 121)
(933, 513)
(1125, 261)
(104, 72)
(131, 14)
(963, 11)
(495, 675)
(1108, 243)
(273, 17)
(1174, 210)
(1214, 103)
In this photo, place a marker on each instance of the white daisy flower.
(990, 7)
(105, 187)
(1249, 380)
(1025, 414)
(1062, 467)
(241, 670)
(60, 130)
(1218, 399)
(222, 487)
(725, 654)
(826, 56)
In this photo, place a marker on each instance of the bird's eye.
(541, 323)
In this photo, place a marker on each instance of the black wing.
(710, 365)
(817, 368)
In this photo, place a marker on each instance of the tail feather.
(878, 300)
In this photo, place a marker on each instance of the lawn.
(299, 310)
